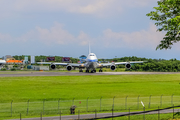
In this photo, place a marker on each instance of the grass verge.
(51, 89)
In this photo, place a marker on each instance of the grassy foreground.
(21, 89)
(81, 87)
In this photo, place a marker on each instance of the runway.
(44, 73)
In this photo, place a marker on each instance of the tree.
(167, 15)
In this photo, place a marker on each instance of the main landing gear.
(87, 71)
(80, 70)
(93, 71)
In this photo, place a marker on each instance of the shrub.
(15, 66)
(13, 69)
(3, 69)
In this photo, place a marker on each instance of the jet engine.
(69, 68)
(113, 67)
(53, 66)
(128, 65)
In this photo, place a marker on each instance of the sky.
(66, 27)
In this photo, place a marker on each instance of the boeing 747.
(91, 63)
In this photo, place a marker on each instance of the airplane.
(91, 63)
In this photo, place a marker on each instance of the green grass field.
(21, 89)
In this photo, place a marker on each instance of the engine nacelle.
(128, 65)
(69, 68)
(53, 66)
(113, 67)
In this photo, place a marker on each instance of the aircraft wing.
(63, 64)
(131, 62)
(120, 63)
(44, 63)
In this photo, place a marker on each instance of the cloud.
(91, 7)
(5, 38)
(48, 36)
(58, 35)
(83, 38)
(138, 3)
(55, 34)
(134, 40)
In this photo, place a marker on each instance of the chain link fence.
(54, 107)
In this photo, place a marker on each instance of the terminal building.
(8, 57)
(14, 62)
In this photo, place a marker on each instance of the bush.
(3, 69)
(13, 69)
(15, 66)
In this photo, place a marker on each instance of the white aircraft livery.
(91, 64)
(2, 62)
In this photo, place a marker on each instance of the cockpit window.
(91, 55)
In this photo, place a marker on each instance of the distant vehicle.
(2, 62)
(91, 64)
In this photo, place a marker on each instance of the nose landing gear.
(100, 70)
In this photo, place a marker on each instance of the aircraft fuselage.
(91, 62)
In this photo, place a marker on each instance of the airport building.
(14, 62)
(8, 57)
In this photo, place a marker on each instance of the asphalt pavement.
(44, 73)
(89, 116)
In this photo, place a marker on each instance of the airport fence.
(54, 107)
(169, 113)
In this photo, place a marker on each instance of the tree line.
(43, 58)
(171, 65)
(160, 65)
